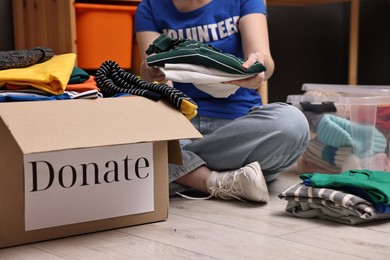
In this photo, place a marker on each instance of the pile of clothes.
(351, 197)
(190, 61)
(37, 74)
(340, 144)
(181, 60)
(345, 134)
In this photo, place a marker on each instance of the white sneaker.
(246, 183)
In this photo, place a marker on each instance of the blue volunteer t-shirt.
(215, 23)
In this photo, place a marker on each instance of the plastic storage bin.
(347, 132)
(104, 32)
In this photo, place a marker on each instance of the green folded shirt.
(166, 50)
(375, 183)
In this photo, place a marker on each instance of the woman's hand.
(255, 81)
(252, 82)
(151, 74)
(252, 58)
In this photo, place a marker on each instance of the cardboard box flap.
(42, 126)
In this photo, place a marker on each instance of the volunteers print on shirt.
(207, 32)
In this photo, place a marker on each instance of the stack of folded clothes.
(190, 61)
(37, 74)
(351, 197)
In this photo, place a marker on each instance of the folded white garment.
(206, 79)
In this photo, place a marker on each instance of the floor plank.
(224, 242)
(115, 245)
(245, 216)
(352, 240)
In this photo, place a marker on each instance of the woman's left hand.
(251, 82)
(255, 81)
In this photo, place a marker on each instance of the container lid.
(349, 90)
(343, 100)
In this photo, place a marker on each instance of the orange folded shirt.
(89, 84)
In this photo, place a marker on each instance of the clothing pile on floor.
(351, 197)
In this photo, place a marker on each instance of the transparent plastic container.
(347, 132)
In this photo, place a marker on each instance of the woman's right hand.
(151, 74)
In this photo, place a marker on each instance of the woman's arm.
(255, 44)
(255, 41)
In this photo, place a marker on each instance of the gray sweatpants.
(275, 135)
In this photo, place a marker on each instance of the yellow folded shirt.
(51, 76)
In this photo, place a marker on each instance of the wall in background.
(374, 49)
(309, 44)
(6, 25)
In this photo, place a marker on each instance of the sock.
(212, 180)
(24, 58)
(112, 80)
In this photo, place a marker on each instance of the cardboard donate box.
(78, 166)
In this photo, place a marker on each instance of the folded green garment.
(78, 76)
(167, 50)
(375, 183)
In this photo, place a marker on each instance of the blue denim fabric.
(275, 135)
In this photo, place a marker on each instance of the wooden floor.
(214, 229)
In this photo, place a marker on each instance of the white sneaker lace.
(194, 198)
(229, 186)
